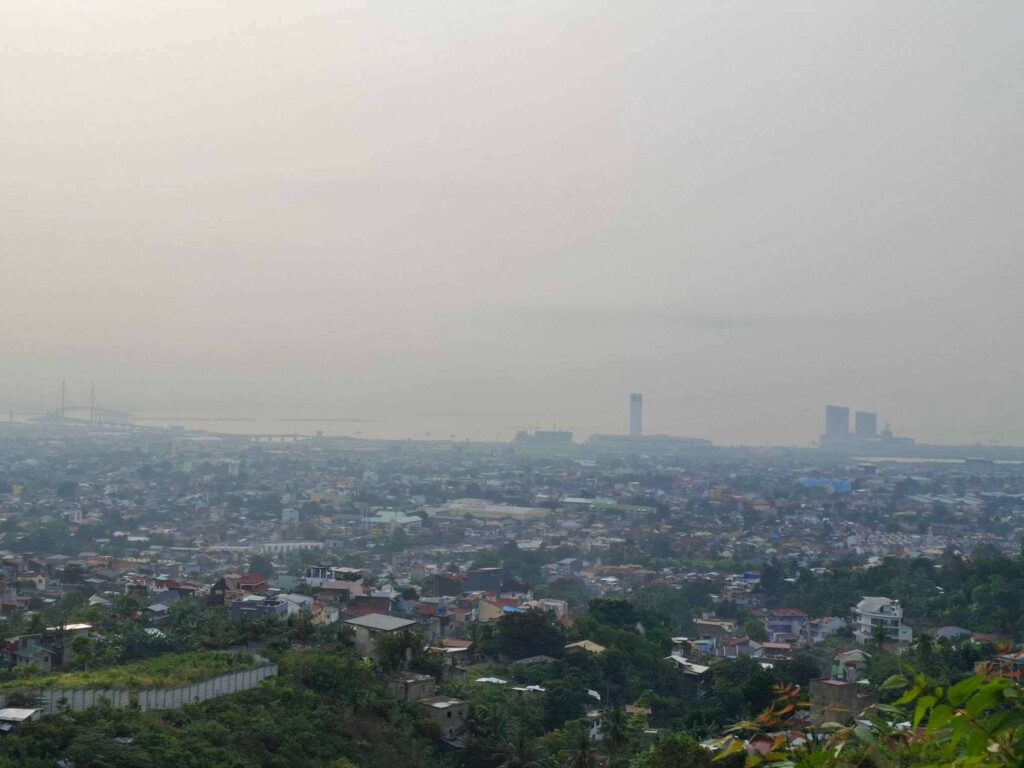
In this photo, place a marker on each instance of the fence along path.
(173, 698)
(150, 699)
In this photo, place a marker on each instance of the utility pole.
(92, 401)
(63, 392)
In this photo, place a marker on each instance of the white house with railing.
(874, 614)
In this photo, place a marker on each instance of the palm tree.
(580, 750)
(616, 730)
(487, 721)
(519, 749)
(925, 645)
(924, 653)
(878, 637)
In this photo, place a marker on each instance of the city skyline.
(840, 423)
(550, 384)
(741, 211)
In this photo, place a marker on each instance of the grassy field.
(172, 670)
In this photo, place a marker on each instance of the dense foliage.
(330, 709)
(161, 672)
(323, 711)
(985, 593)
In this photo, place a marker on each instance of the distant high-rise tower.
(865, 424)
(837, 421)
(636, 415)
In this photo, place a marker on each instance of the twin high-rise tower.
(837, 423)
(865, 433)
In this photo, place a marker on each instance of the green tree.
(577, 749)
(67, 489)
(82, 649)
(73, 573)
(529, 633)
(519, 749)
(395, 649)
(742, 686)
(399, 540)
(674, 750)
(755, 630)
(301, 627)
(565, 699)
(262, 565)
(619, 732)
(613, 612)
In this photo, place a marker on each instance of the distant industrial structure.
(543, 438)
(865, 435)
(486, 510)
(83, 414)
(636, 439)
(636, 415)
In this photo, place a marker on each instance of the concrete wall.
(50, 700)
(173, 698)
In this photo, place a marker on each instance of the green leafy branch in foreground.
(977, 722)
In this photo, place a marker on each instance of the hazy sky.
(519, 212)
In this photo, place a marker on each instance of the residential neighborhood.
(460, 571)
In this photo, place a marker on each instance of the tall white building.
(874, 613)
(636, 415)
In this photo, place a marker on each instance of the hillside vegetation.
(170, 670)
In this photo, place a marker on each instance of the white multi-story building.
(872, 614)
(332, 577)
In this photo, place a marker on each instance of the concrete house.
(842, 696)
(410, 686)
(786, 625)
(368, 629)
(448, 713)
(12, 718)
